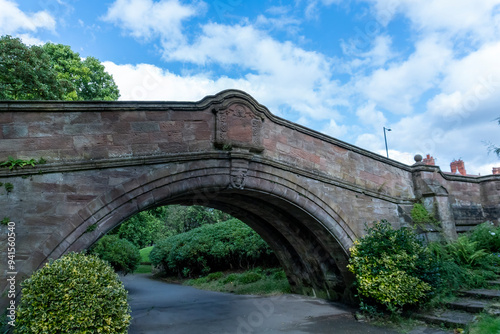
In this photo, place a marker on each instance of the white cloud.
(313, 7)
(30, 40)
(278, 70)
(369, 115)
(398, 87)
(335, 130)
(300, 84)
(370, 141)
(284, 23)
(145, 19)
(14, 21)
(149, 82)
(477, 20)
(145, 82)
(379, 54)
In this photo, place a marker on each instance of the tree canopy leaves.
(146, 227)
(51, 72)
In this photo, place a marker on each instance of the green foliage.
(12, 163)
(144, 228)
(121, 254)
(5, 221)
(485, 324)
(143, 269)
(249, 277)
(26, 72)
(487, 237)
(466, 252)
(74, 294)
(145, 255)
(257, 281)
(214, 276)
(421, 216)
(8, 187)
(81, 79)
(150, 226)
(91, 228)
(466, 263)
(392, 267)
(212, 247)
(51, 72)
(492, 147)
(181, 219)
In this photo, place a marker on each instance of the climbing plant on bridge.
(12, 163)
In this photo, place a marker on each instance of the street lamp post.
(385, 138)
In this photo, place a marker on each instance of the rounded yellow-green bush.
(392, 267)
(77, 293)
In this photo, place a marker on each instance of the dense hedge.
(392, 267)
(123, 256)
(227, 245)
(75, 294)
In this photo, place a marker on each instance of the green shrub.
(75, 294)
(227, 245)
(392, 267)
(214, 276)
(120, 253)
(487, 237)
(463, 263)
(231, 278)
(249, 277)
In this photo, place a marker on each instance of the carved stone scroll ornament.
(238, 126)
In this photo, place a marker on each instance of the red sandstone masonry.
(129, 156)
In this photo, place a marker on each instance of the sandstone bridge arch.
(307, 194)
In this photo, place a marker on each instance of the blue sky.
(346, 68)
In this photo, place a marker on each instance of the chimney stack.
(429, 160)
(496, 170)
(458, 167)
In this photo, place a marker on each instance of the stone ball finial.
(418, 158)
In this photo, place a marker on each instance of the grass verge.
(145, 255)
(485, 324)
(258, 281)
(143, 269)
(145, 266)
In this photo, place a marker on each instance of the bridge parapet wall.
(462, 202)
(230, 121)
(93, 131)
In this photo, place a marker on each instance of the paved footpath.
(159, 307)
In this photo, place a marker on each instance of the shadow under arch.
(309, 237)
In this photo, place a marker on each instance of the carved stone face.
(238, 180)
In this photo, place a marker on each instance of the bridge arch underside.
(309, 238)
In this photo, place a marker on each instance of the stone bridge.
(308, 195)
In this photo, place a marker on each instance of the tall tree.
(26, 72)
(51, 72)
(82, 79)
(147, 227)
